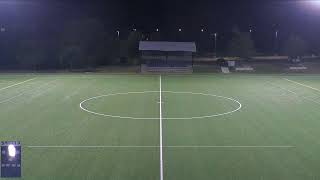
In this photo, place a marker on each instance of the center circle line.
(153, 118)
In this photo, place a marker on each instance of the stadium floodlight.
(309, 4)
(12, 150)
(315, 2)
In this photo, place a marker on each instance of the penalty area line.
(21, 94)
(292, 92)
(304, 85)
(17, 84)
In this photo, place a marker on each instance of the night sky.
(263, 17)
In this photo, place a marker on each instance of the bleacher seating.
(161, 63)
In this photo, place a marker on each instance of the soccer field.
(206, 126)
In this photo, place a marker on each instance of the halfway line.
(161, 140)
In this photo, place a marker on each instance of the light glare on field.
(12, 150)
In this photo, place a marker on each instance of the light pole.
(250, 33)
(118, 33)
(179, 36)
(276, 42)
(215, 44)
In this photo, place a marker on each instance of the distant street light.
(202, 30)
(250, 30)
(180, 29)
(157, 30)
(134, 29)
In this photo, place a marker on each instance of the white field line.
(9, 99)
(292, 92)
(304, 85)
(16, 84)
(161, 140)
(21, 94)
(183, 147)
(156, 118)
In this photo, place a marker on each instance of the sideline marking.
(161, 140)
(106, 147)
(17, 84)
(167, 118)
(304, 85)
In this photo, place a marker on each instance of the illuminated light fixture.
(157, 30)
(202, 30)
(180, 30)
(315, 2)
(12, 150)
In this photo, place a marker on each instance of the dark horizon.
(47, 20)
(263, 17)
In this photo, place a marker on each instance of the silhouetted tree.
(83, 41)
(69, 56)
(31, 53)
(294, 46)
(241, 45)
(155, 36)
(133, 44)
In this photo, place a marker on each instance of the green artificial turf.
(275, 134)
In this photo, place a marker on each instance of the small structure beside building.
(160, 56)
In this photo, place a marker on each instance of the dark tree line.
(242, 45)
(80, 43)
(86, 43)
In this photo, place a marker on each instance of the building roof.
(167, 46)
